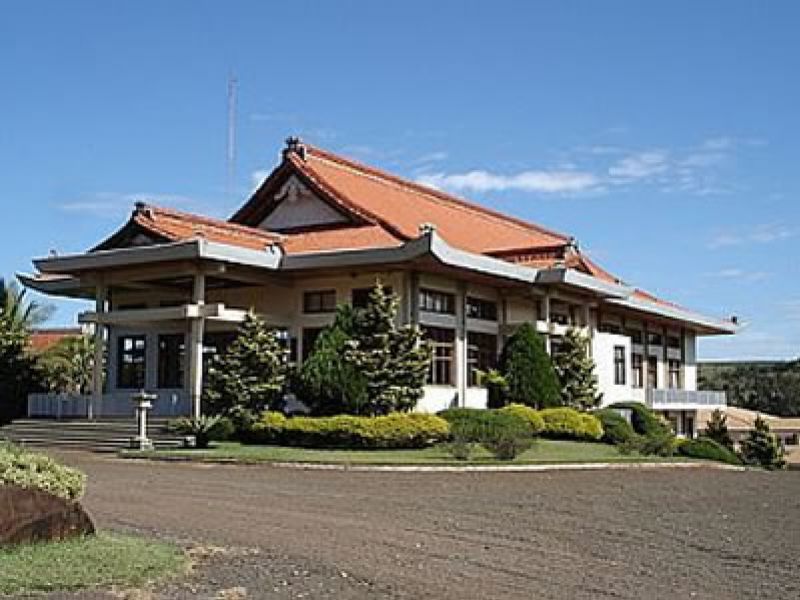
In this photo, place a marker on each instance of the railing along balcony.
(674, 398)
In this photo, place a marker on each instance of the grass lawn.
(543, 451)
(102, 560)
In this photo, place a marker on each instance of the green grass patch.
(544, 451)
(94, 561)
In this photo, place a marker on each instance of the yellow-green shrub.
(530, 415)
(30, 470)
(568, 423)
(396, 430)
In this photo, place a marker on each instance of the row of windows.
(324, 301)
(637, 368)
(481, 355)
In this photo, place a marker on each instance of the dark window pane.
(171, 360)
(360, 296)
(319, 301)
(478, 308)
(442, 344)
(481, 354)
(437, 302)
(131, 362)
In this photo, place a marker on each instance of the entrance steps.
(106, 435)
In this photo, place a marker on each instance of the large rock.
(29, 515)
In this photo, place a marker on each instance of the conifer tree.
(250, 374)
(528, 370)
(575, 370)
(393, 360)
(761, 447)
(717, 429)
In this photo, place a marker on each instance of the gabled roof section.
(398, 206)
(153, 224)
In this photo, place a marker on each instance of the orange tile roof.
(340, 238)
(178, 226)
(44, 339)
(402, 206)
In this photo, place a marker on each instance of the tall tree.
(575, 370)
(18, 310)
(327, 383)
(761, 447)
(250, 374)
(392, 359)
(717, 429)
(528, 370)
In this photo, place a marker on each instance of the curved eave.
(65, 286)
(704, 325)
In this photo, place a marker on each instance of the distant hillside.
(768, 386)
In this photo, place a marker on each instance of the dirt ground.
(268, 532)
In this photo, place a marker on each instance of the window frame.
(481, 309)
(320, 306)
(674, 370)
(637, 370)
(427, 301)
(137, 379)
(652, 361)
(443, 351)
(481, 354)
(171, 361)
(620, 366)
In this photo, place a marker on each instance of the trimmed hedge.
(503, 433)
(568, 423)
(643, 420)
(30, 470)
(704, 447)
(526, 413)
(616, 429)
(396, 430)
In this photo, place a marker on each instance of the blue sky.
(664, 136)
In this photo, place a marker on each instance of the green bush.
(709, 449)
(527, 414)
(568, 423)
(30, 470)
(204, 429)
(503, 433)
(395, 430)
(643, 420)
(528, 371)
(616, 429)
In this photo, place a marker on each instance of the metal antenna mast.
(231, 150)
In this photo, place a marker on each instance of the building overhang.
(703, 324)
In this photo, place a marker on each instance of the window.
(674, 374)
(131, 362)
(437, 302)
(310, 335)
(635, 335)
(559, 318)
(360, 296)
(171, 360)
(652, 372)
(485, 310)
(441, 341)
(638, 370)
(609, 328)
(673, 341)
(654, 339)
(619, 365)
(481, 354)
(323, 301)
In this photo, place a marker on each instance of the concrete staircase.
(108, 435)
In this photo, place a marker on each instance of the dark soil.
(268, 532)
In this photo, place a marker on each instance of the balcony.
(672, 399)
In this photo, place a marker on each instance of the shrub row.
(651, 434)
(397, 430)
(502, 433)
(30, 470)
(709, 449)
(555, 423)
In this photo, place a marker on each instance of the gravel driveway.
(289, 533)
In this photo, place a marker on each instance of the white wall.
(603, 353)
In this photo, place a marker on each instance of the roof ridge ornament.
(295, 145)
(141, 207)
(427, 228)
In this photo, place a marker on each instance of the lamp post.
(143, 402)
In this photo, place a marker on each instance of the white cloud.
(527, 181)
(430, 157)
(640, 165)
(759, 234)
(740, 275)
(116, 204)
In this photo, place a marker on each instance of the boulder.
(30, 515)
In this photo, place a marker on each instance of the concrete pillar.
(195, 346)
(95, 404)
(462, 379)
(546, 315)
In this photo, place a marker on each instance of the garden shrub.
(528, 371)
(568, 423)
(527, 414)
(205, 428)
(643, 420)
(616, 429)
(395, 430)
(654, 436)
(704, 447)
(762, 448)
(503, 433)
(31, 470)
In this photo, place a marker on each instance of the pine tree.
(327, 383)
(250, 374)
(717, 429)
(575, 370)
(761, 447)
(528, 370)
(393, 360)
